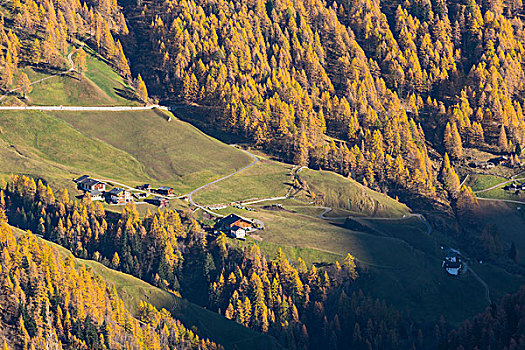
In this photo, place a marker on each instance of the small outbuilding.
(120, 196)
(165, 191)
(96, 195)
(159, 202)
(144, 187)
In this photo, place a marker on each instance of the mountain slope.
(53, 303)
(133, 291)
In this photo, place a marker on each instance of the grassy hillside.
(46, 139)
(508, 220)
(401, 263)
(127, 146)
(508, 217)
(210, 324)
(100, 86)
(173, 153)
(134, 146)
(273, 179)
(344, 193)
(263, 180)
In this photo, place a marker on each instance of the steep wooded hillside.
(501, 326)
(49, 302)
(297, 304)
(359, 87)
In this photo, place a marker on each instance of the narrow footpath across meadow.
(70, 70)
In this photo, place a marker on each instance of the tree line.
(301, 306)
(52, 302)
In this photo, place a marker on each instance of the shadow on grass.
(126, 93)
(203, 118)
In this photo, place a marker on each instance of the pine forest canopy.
(378, 78)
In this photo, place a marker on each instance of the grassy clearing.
(344, 193)
(51, 143)
(499, 193)
(500, 282)
(263, 180)
(508, 220)
(100, 85)
(480, 182)
(411, 230)
(309, 255)
(68, 91)
(17, 160)
(107, 80)
(505, 216)
(307, 210)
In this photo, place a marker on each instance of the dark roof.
(115, 191)
(89, 182)
(452, 264)
(82, 178)
(230, 219)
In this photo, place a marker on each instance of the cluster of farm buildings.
(233, 225)
(515, 187)
(97, 191)
(510, 162)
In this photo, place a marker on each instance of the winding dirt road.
(482, 282)
(189, 195)
(498, 185)
(81, 108)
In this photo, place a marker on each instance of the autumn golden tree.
(24, 85)
(81, 62)
(142, 92)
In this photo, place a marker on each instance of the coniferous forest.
(397, 95)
